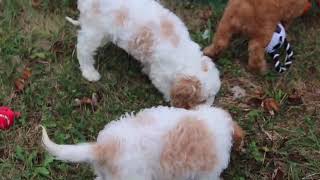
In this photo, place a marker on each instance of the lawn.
(36, 40)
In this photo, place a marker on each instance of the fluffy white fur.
(142, 138)
(172, 58)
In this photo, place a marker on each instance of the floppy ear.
(238, 136)
(186, 92)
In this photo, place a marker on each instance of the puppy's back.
(177, 142)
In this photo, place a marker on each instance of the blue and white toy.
(273, 49)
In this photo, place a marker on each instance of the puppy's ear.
(186, 92)
(238, 136)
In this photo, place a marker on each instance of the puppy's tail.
(72, 21)
(71, 153)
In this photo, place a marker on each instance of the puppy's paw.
(91, 74)
(209, 51)
(262, 69)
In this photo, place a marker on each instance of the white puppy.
(157, 38)
(160, 143)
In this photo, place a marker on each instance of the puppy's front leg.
(257, 62)
(221, 39)
(88, 42)
(257, 45)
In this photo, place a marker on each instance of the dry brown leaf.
(295, 98)
(22, 82)
(19, 84)
(36, 3)
(26, 74)
(257, 97)
(278, 174)
(259, 92)
(93, 101)
(254, 102)
(57, 47)
(271, 106)
(83, 101)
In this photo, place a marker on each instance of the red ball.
(7, 117)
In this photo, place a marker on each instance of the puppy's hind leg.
(88, 42)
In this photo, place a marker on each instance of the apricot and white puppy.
(157, 38)
(160, 143)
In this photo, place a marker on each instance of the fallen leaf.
(36, 3)
(254, 102)
(259, 92)
(84, 101)
(271, 106)
(278, 174)
(57, 47)
(93, 101)
(21, 82)
(295, 98)
(26, 74)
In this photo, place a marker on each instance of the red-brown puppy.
(256, 19)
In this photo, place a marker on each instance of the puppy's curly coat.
(157, 38)
(160, 143)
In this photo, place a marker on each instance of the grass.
(39, 38)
